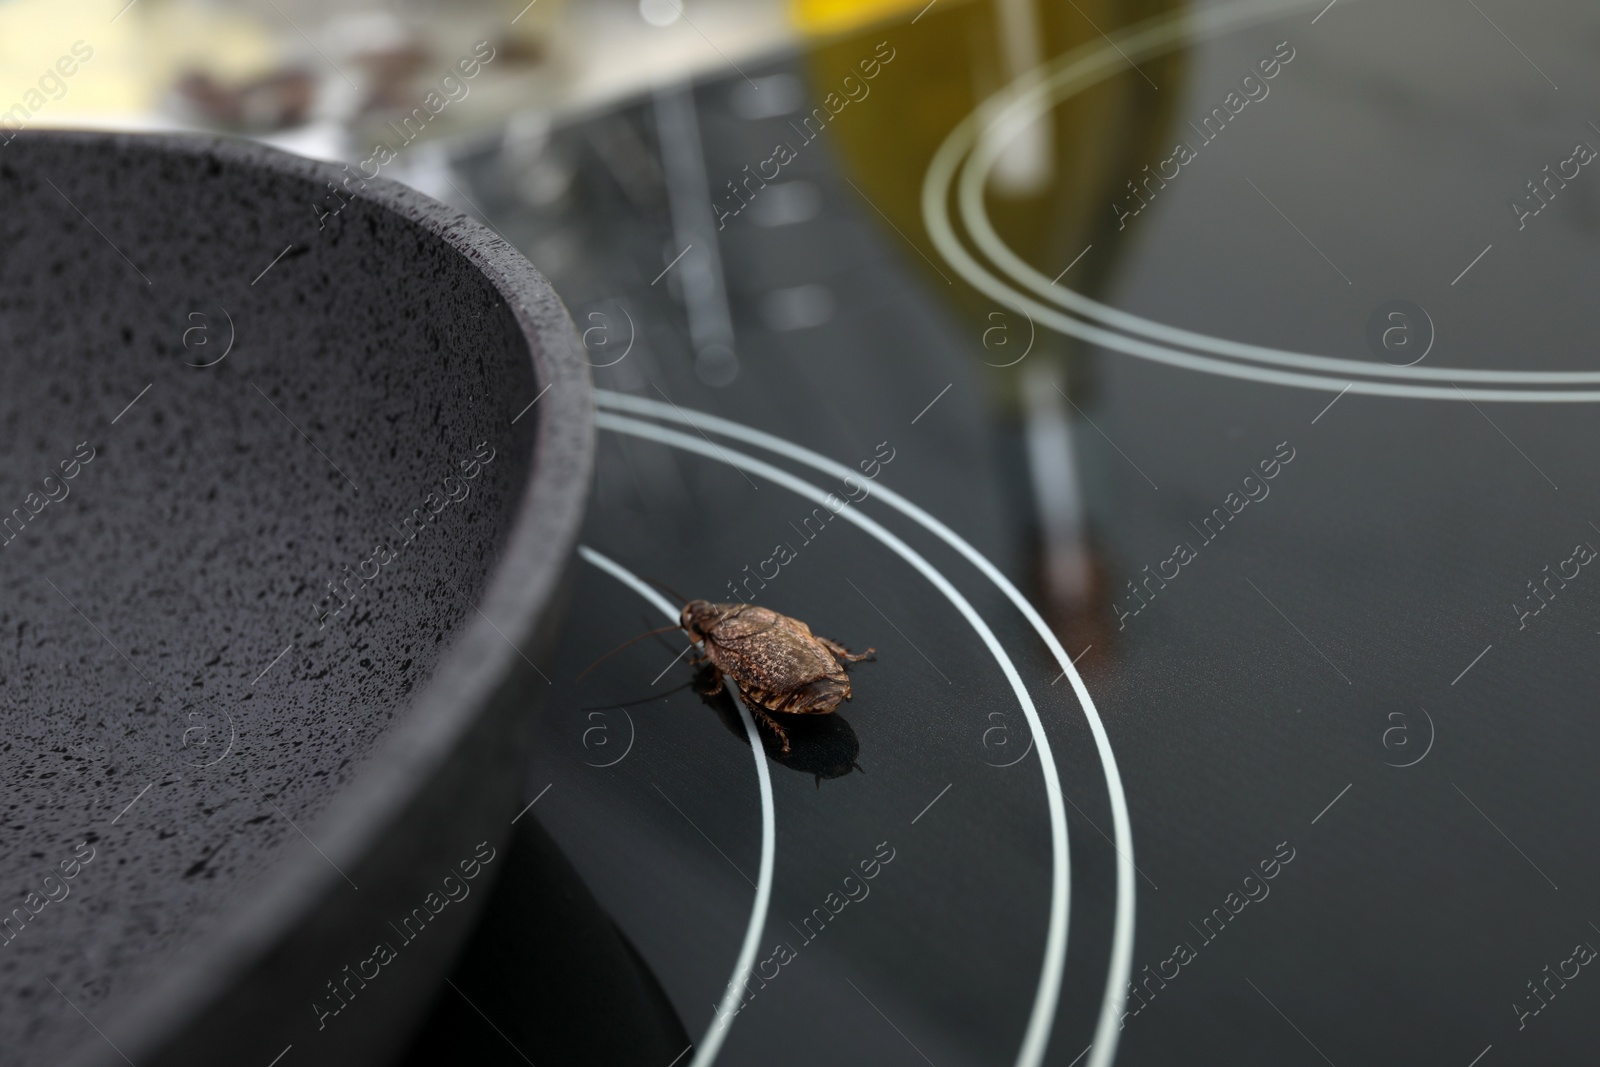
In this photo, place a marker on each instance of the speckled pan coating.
(288, 808)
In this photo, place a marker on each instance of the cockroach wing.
(776, 661)
(739, 621)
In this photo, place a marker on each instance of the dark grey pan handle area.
(243, 815)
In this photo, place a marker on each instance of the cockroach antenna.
(667, 588)
(642, 700)
(625, 644)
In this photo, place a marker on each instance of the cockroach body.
(778, 664)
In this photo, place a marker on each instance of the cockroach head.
(698, 617)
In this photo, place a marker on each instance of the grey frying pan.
(292, 462)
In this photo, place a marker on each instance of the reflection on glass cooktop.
(1196, 417)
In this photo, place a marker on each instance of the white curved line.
(1433, 335)
(233, 735)
(1097, 62)
(1077, 70)
(1433, 734)
(233, 335)
(1093, 68)
(1115, 997)
(633, 734)
(1033, 335)
(1037, 1036)
(711, 1044)
(633, 332)
(1016, 761)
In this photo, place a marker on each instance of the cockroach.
(776, 661)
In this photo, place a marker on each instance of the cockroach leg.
(709, 682)
(844, 653)
(771, 723)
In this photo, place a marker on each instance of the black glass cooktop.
(1197, 417)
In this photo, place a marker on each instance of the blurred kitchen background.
(599, 136)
